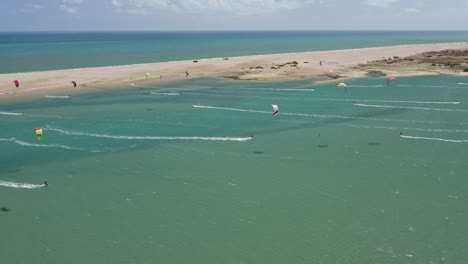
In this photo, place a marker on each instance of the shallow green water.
(325, 181)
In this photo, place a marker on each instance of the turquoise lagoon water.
(328, 180)
(24, 52)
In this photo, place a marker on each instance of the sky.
(170, 15)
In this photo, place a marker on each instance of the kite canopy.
(16, 83)
(38, 132)
(392, 79)
(74, 83)
(275, 109)
(343, 85)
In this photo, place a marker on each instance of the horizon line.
(240, 30)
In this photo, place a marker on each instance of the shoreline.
(347, 63)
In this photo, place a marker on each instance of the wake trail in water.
(170, 94)
(366, 86)
(57, 96)
(241, 88)
(411, 107)
(32, 115)
(78, 133)
(232, 109)
(460, 83)
(246, 96)
(316, 115)
(27, 144)
(386, 101)
(275, 89)
(18, 185)
(11, 113)
(49, 116)
(435, 139)
(421, 85)
(409, 128)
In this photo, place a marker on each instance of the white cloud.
(412, 10)
(30, 8)
(70, 6)
(116, 3)
(381, 3)
(69, 9)
(232, 6)
(72, 2)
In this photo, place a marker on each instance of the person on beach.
(186, 74)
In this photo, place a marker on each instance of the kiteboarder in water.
(392, 79)
(275, 109)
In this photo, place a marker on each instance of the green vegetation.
(292, 63)
(465, 70)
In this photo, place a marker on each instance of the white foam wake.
(232, 109)
(49, 116)
(317, 115)
(276, 89)
(291, 89)
(409, 128)
(240, 88)
(78, 133)
(10, 113)
(386, 101)
(18, 185)
(460, 83)
(58, 96)
(172, 94)
(27, 144)
(412, 107)
(436, 139)
(366, 86)
(421, 85)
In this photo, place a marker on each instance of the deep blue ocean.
(24, 52)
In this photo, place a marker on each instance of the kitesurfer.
(275, 110)
(46, 184)
(392, 79)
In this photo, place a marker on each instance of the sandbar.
(342, 64)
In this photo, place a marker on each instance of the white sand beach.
(347, 63)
